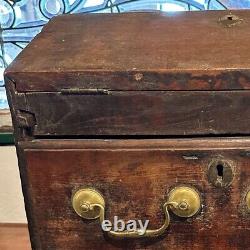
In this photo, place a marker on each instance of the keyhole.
(220, 173)
(220, 169)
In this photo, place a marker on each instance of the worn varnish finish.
(146, 90)
(135, 179)
(180, 51)
(141, 113)
(182, 76)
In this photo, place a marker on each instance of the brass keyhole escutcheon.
(187, 201)
(220, 173)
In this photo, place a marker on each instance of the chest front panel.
(135, 178)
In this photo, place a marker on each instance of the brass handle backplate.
(183, 202)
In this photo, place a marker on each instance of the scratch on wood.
(193, 157)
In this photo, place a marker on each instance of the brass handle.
(183, 201)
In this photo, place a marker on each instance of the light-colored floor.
(14, 237)
(11, 198)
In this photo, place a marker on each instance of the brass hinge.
(79, 91)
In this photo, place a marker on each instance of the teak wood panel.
(135, 178)
(141, 113)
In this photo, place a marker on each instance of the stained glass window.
(21, 20)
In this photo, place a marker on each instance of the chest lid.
(138, 51)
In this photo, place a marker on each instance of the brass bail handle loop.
(183, 201)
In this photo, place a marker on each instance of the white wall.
(11, 198)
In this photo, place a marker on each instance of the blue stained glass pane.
(21, 20)
(3, 98)
(193, 8)
(215, 5)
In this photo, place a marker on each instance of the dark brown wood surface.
(135, 177)
(147, 113)
(14, 237)
(140, 58)
(135, 51)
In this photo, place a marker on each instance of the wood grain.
(182, 75)
(173, 51)
(149, 113)
(135, 181)
(14, 236)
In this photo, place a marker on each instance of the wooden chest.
(137, 116)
